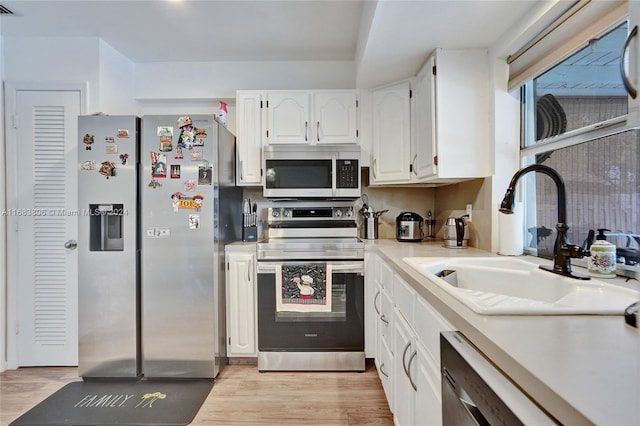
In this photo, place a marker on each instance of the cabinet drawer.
(405, 298)
(429, 323)
(386, 318)
(386, 277)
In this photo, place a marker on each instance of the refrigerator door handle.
(71, 244)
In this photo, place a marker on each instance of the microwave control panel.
(347, 173)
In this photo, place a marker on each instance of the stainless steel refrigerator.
(152, 279)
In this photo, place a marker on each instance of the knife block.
(250, 234)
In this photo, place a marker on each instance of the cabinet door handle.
(375, 306)
(413, 385)
(241, 170)
(384, 319)
(374, 169)
(413, 166)
(318, 130)
(404, 354)
(382, 370)
(306, 131)
(249, 270)
(627, 84)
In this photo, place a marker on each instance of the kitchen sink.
(508, 286)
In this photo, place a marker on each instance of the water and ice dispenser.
(105, 227)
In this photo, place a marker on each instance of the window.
(564, 112)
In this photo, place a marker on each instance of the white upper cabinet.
(249, 140)
(316, 117)
(335, 117)
(460, 115)
(391, 134)
(288, 118)
(423, 123)
(437, 133)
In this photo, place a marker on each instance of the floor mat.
(115, 402)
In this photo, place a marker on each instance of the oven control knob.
(349, 213)
(275, 212)
(287, 213)
(338, 213)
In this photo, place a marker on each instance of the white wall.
(60, 59)
(115, 82)
(220, 80)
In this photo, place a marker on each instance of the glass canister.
(602, 262)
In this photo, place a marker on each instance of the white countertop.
(582, 369)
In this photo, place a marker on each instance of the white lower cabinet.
(241, 304)
(404, 387)
(428, 407)
(407, 348)
(416, 389)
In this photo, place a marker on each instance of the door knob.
(71, 244)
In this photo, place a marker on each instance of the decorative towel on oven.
(303, 287)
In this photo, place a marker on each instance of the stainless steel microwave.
(312, 171)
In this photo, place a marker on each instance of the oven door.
(341, 330)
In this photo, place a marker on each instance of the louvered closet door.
(47, 218)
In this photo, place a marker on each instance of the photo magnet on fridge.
(204, 174)
(122, 133)
(194, 221)
(158, 165)
(166, 143)
(175, 171)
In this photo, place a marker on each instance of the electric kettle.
(455, 232)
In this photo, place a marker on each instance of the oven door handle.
(347, 267)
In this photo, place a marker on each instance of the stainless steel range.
(311, 289)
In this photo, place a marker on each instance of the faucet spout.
(563, 251)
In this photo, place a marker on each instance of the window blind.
(583, 21)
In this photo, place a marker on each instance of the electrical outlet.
(469, 210)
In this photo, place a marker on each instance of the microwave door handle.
(334, 165)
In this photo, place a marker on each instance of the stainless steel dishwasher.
(474, 392)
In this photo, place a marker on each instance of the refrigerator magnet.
(124, 158)
(109, 139)
(194, 221)
(175, 171)
(88, 141)
(166, 144)
(122, 133)
(189, 185)
(158, 165)
(107, 169)
(198, 199)
(178, 155)
(199, 142)
(111, 149)
(154, 184)
(88, 165)
(175, 200)
(165, 131)
(204, 175)
(196, 154)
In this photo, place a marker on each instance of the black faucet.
(562, 250)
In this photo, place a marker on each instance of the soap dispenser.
(602, 262)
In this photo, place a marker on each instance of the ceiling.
(389, 39)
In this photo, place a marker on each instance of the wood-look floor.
(241, 396)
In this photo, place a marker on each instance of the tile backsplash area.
(395, 199)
